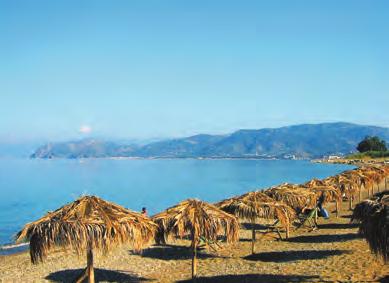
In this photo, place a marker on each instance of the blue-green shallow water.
(31, 187)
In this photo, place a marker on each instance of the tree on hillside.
(371, 144)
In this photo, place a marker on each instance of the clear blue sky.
(142, 69)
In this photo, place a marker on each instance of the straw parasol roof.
(255, 205)
(297, 197)
(314, 183)
(326, 194)
(347, 187)
(363, 179)
(373, 215)
(385, 168)
(376, 174)
(89, 223)
(199, 220)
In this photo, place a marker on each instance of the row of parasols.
(93, 224)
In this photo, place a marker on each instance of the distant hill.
(87, 148)
(300, 141)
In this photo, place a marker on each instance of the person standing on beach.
(144, 211)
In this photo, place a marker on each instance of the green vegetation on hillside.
(298, 141)
(372, 144)
(369, 154)
(370, 147)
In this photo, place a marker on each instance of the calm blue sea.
(31, 187)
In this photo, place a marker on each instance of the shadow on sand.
(172, 252)
(338, 226)
(346, 216)
(286, 256)
(324, 238)
(249, 226)
(258, 227)
(248, 278)
(384, 279)
(101, 275)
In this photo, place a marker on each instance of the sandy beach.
(194, 141)
(332, 253)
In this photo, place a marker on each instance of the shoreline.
(356, 162)
(14, 249)
(332, 253)
(172, 158)
(9, 248)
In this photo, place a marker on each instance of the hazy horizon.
(156, 70)
(140, 141)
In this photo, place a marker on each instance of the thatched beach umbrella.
(347, 186)
(314, 183)
(87, 224)
(376, 174)
(296, 196)
(373, 216)
(199, 220)
(385, 168)
(362, 180)
(257, 205)
(327, 194)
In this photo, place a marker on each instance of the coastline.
(332, 253)
(171, 158)
(356, 162)
(6, 247)
(11, 249)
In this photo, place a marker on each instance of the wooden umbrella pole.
(337, 208)
(351, 202)
(287, 227)
(253, 237)
(194, 261)
(287, 230)
(91, 271)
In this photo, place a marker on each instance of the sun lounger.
(308, 220)
(274, 228)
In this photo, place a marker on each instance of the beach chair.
(307, 220)
(213, 245)
(271, 229)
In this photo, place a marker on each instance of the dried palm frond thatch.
(257, 205)
(314, 183)
(198, 220)
(379, 196)
(87, 224)
(363, 180)
(373, 216)
(328, 193)
(347, 187)
(296, 196)
(376, 174)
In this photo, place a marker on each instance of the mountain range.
(298, 141)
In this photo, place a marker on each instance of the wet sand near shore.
(332, 253)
